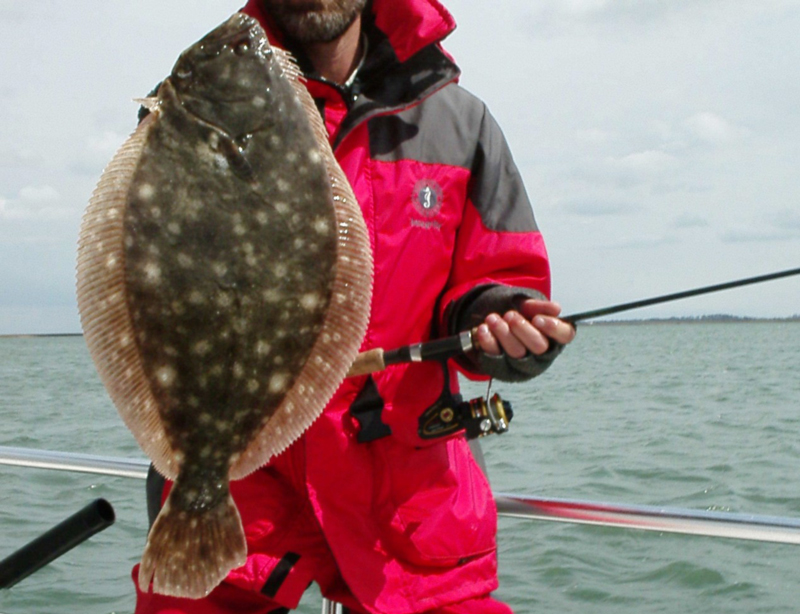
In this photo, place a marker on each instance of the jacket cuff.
(471, 310)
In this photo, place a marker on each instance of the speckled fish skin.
(224, 290)
(224, 281)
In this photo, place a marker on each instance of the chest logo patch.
(427, 198)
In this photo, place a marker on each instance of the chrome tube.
(69, 461)
(651, 518)
(331, 607)
(648, 518)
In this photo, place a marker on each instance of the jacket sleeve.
(499, 257)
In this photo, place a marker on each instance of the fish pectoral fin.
(237, 160)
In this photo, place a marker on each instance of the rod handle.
(79, 527)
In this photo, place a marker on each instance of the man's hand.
(528, 330)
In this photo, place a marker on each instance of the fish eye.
(183, 73)
(242, 48)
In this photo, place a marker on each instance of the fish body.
(224, 279)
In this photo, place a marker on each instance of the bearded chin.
(318, 26)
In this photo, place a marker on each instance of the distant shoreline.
(711, 319)
(24, 335)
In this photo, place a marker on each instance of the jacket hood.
(409, 25)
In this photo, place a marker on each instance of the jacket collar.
(405, 62)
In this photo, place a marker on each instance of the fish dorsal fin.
(103, 306)
(346, 319)
(150, 103)
(292, 72)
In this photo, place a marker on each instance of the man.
(384, 515)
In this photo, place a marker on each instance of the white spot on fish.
(152, 272)
(174, 228)
(185, 260)
(314, 156)
(258, 102)
(238, 370)
(111, 261)
(310, 301)
(252, 386)
(321, 226)
(280, 270)
(201, 348)
(278, 383)
(271, 295)
(219, 268)
(281, 208)
(263, 348)
(224, 299)
(146, 191)
(262, 218)
(275, 140)
(166, 375)
(196, 297)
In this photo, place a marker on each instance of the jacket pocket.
(434, 503)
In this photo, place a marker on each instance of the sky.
(659, 140)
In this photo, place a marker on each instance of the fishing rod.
(378, 359)
(774, 529)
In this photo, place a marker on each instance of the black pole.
(596, 313)
(79, 527)
(447, 347)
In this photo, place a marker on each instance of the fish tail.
(188, 553)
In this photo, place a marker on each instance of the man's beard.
(314, 21)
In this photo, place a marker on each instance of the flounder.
(224, 280)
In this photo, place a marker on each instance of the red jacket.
(411, 522)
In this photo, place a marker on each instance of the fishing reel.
(478, 417)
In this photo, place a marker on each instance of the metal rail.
(648, 518)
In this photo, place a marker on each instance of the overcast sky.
(659, 139)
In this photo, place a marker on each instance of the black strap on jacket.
(367, 409)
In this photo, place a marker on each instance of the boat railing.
(732, 525)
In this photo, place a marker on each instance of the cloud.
(561, 13)
(713, 129)
(96, 152)
(747, 234)
(688, 220)
(12, 157)
(787, 219)
(34, 203)
(644, 241)
(597, 208)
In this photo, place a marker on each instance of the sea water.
(695, 415)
